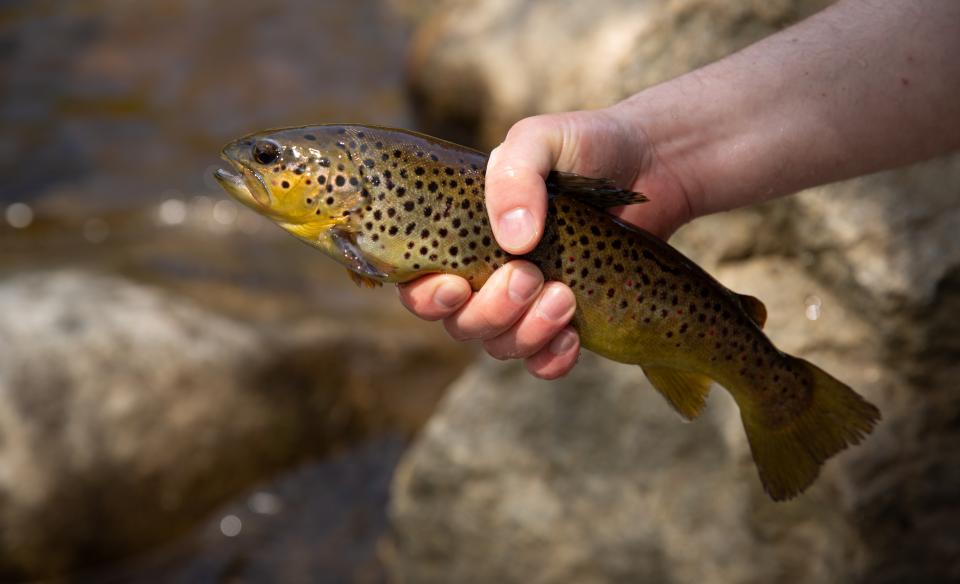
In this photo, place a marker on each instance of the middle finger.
(498, 304)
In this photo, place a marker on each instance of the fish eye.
(266, 151)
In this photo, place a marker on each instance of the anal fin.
(684, 390)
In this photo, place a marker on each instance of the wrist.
(669, 150)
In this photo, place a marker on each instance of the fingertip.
(516, 195)
(556, 359)
(435, 296)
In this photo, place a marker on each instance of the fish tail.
(789, 455)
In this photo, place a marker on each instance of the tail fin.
(789, 456)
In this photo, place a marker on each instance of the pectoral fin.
(685, 391)
(363, 280)
(362, 269)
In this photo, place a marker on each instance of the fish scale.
(393, 205)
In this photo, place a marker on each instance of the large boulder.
(595, 478)
(591, 478)
(128, 412)
(476, 67)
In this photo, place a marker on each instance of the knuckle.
(454, 330)
(530, 125)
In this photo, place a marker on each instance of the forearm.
(859, 87)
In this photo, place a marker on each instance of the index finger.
(515, 190)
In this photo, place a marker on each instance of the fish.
(393, 205)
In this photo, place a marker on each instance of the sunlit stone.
(230, 526)
(19, 215)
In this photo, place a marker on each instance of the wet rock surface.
(128, 412)
(592, 478)
(321, 522)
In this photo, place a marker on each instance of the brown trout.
(393, 205)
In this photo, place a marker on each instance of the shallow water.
(112, 114)
(111, 102)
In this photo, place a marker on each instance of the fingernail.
(563, 342)
(524, 282)
(555, 304)
(449, 295)
(516, 228)
(494, 156)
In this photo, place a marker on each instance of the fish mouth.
(244, 184)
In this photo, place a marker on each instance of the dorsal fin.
(599, 192)
(754, 309)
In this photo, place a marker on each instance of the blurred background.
(189, 395)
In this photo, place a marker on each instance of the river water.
(112, 114)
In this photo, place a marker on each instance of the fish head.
(298, 177)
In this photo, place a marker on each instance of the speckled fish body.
(393, 205)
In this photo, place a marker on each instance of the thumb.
(515, 191)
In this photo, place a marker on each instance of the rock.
(590, 479)
(477, 67)
(595, 479)
(322, 521)
(127, 412)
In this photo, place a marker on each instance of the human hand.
(515, 313)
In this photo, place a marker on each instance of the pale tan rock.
(127, 412)
(591, 478)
